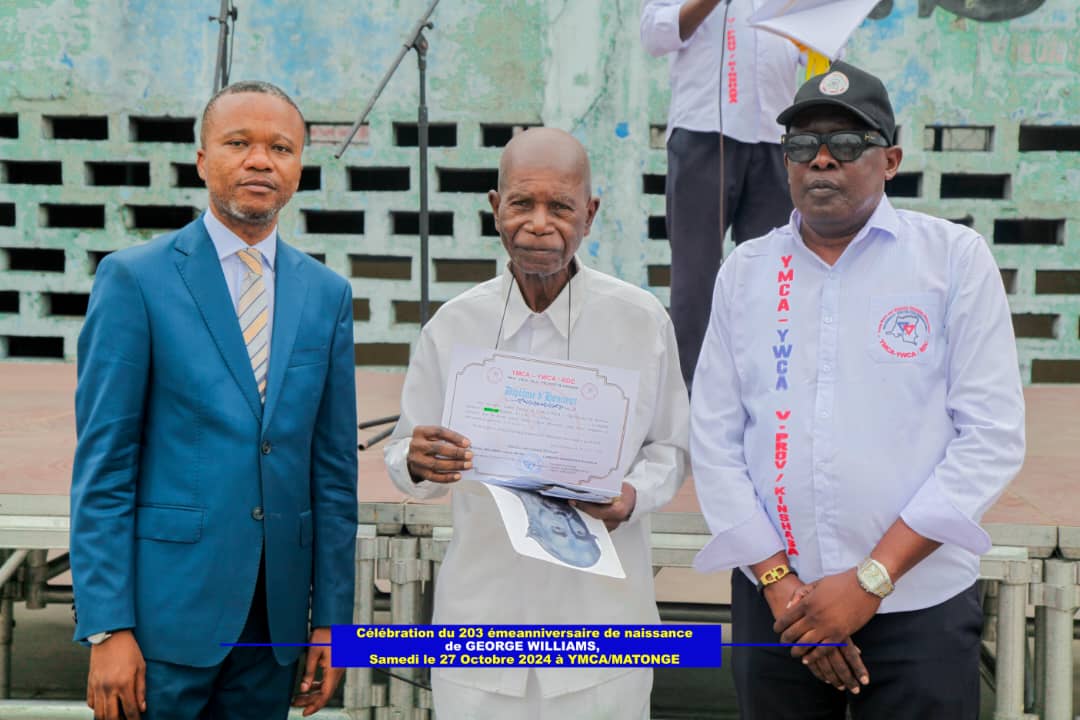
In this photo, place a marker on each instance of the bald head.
(544, 148)
(543, 208)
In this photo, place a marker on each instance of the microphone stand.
(222, 67)
(415, 40)
(720, 128)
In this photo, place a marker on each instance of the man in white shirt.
(859, 407)
(546, 303)
(726, 78)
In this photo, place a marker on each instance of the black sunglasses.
(844, 145)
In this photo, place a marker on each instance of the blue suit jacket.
(182, 478)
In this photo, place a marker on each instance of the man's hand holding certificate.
(438, 455)
(551, 426)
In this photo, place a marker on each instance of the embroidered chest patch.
(904, 332)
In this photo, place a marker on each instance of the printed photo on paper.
(549, 529)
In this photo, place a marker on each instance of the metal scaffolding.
(402, 546)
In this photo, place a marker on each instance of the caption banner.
(526, 645)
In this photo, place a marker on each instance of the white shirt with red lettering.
(760, 70)
(831, 400)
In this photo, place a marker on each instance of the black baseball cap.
(846, 86)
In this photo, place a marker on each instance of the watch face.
(874, 580)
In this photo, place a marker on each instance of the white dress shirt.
(483, 580)
(760, 70)
(227, 244)
(830, 401)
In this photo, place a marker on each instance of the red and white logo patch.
(904, 332)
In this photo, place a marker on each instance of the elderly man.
(213, 497)
(858, 408)
(545, 303)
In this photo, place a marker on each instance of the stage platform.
(1040, 509)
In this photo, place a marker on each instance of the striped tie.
(252, 310)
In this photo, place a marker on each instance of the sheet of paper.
(549, 529)
(541, 423)
(824, 25)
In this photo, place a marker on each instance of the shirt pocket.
(905, 329)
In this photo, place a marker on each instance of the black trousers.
(923, 665)
(756, 199)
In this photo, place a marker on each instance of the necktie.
(254, 314)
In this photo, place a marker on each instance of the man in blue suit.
(213, 498)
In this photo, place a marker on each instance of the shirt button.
(257, 512)
(828, 318)
(827, 368)
(266, 447)
(824, 413)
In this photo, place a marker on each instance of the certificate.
(554, 426)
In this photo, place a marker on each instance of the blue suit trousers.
(248, 684)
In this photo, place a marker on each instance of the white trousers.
(624, 698)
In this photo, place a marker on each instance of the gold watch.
(874, 578)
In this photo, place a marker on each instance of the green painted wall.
(573, 64)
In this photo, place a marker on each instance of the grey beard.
(251, 218)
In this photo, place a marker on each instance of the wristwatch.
(874, 578)
(98, 638)
(774, 575)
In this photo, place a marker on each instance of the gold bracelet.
(775, 575)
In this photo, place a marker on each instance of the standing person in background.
(755, 81)
(213, 497)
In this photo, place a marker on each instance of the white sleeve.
(421, 404)
(986, 402)
(660, 26)
(660, 466)
(743, 534)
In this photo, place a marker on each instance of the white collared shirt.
(482, 579)
(760, 72)
(228, 244)
(830, 401)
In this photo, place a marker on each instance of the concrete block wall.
(98, 108)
